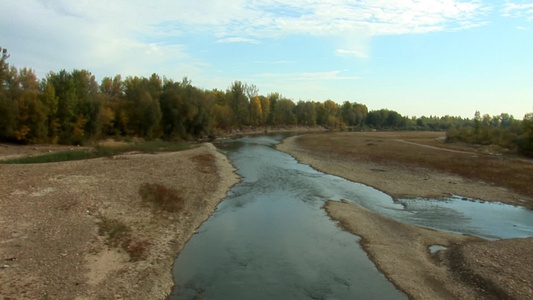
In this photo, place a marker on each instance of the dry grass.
(161, 197)
(119, 235)
(205, 163)
(426, 150)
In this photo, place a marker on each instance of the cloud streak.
(309, 76)
(518, 10)
(238, 40)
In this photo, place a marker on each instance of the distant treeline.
(502, 130)
(72, 108)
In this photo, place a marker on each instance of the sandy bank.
(471, 269)
(50, 215)
(401, 251)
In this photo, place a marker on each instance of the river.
(271, 239)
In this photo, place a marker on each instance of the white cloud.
(238, 40)
(357, 53)
(518, 10)
(277, 62)
(308, 76)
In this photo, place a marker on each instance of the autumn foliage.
(73, 108)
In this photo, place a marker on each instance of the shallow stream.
(271, 239)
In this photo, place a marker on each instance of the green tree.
(331, 110)
(143, 111)
(321, 114)
(256, 111)
(525, 141)
(50, 101)
(284, 112)
(305, 113)
(273, 99)
(31, 119)
(265, 109)
(8, 117)
(8, 107)
(239, 103)
(112, 88)
(222, 114)
(4, 70)
(361, 112)
(173, 111)
(348, 113)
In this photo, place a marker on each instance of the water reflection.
(485, 219)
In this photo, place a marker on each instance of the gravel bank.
(50, 216)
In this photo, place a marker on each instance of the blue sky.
(428, 57)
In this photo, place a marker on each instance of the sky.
(417, 57)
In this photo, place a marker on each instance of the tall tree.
(284, 112)
(239, 103)
(306, 113)
(265, 109)
(256, 111)
(143, 111)
(8, 108)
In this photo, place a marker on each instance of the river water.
(271, 239)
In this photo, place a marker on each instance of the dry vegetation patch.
(421, 151)
(161, 197)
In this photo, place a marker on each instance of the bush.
(525, 145)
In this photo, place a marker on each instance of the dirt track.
(50, 215)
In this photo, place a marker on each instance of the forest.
(73, 108)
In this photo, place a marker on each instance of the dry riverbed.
(81, 230)
(471, 268)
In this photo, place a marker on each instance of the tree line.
(502, 130)
(73, 108)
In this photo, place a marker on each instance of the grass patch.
(158, 146)
(144, 147)
(162, 198)
(119, 235)
(60, 156)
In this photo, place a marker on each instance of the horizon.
(431, 58)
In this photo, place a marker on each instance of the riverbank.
(471, 267)
(260, 130)
(399, 165)
(81, 230)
